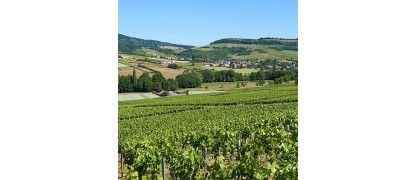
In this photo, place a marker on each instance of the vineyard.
(238, 134)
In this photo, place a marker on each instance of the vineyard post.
(206, 155)
(163, 168)
(287, 128)
(206, 160)
(239, 146)
(121, 157)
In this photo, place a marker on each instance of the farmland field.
(243, 71)
(269, 52)
(135, 96)
(122, 65)
(247, 133)
(203, 92)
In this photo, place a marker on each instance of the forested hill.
(128, 44)
(262, 41)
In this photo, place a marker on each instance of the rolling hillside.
(241, 55)
(257, 52)
(127, 44)
(230, 48)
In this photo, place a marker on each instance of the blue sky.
(195, 22)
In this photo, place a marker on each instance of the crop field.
(203, 92)
(247, 133)
(135, 96)
(129, 96)
(122, 65)
(243, 70)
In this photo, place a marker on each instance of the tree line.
(194, 78)
(261, 41)
(215, 54)
(145, 83)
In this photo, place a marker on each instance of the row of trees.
(145, 83)
(270, 74)
(208, 76)
(262, 41)
(173, 66)
(194, 78)
(216, 54)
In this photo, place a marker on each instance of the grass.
(135, 96)
(229, 85)
(189, 66)
(243, 71)
(122, 65)
(151, 52)
(217, 86)
(255, 55)
(120, 61)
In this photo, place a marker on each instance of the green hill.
(256, 52)
(127, 44)
(230, 48)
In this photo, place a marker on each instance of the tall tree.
(145, 83)
(125, 84)
(159, 82)
(188, 81)
(207, 76)
(134, 80)
(172, 85)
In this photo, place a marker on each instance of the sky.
(198, 23)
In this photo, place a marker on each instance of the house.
(166, 61)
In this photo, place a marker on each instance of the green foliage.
(128, 44)
(207, 75)
(159, 82)
(279, 80)
(243, 84)
(261, 50)
(134, 80)
(195, 55)
(125, 84)
(285, 47)
(188, 81)
(238, 85)
(144, 83)
(216, 54)
(165, 93)
(262, 41)
(158, 77)
(172, 85)
(261, 82)
(173, 66)
(290, 74)
(216, 122)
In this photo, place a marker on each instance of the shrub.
(173, 66)
(164, 93)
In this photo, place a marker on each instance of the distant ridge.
(262, 41)
(128, 44)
